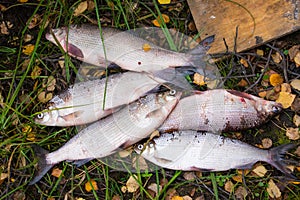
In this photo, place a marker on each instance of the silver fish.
(82, 103)
(220, 110)
(124, 49)
(117, 131)
(194, 151)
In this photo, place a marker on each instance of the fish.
(113, 133)
(204, 151)
(83, 102)
(220, 110)
(126, 49)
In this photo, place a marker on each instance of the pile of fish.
(124, 108)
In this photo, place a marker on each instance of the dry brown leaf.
(275, 79)
(262, 94)
(241, 192)
(27, 38)
(297, 59)
(4, 26)
(116, 197)
(132, 185)
(56, 172)
(244, 62)
(43, 97)
(35, 20)
(142, 164)
(296, 84)
(286, 99)
(186, 197)
(292, 133)
(50, 84)
(296, 120)
(277, 58)
(266, 143)
(228, 186)
(2, 8)
(273, 190)
(285, 87)
(238, 178)
(189, 176)
(242, 83)
(19, 195)
(52, 198)
(296, 105)
(80, 8)
(124, 189)
(192, 26)
(260, 170)
(297, 152)
(171, 193)
(153, 187)
(125, 153)
(91, 5)
(3, 176)
(293, 51)
(90, 185)
(28, 49)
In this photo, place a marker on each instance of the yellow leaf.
(260, 52)
(43, 97)
(164, 1)
(56, 172)
(238, 178)
(199, 79)
(36, 72)
(177, 198)
(158, 21)
(30, 137)
(146, 47)
(26, 129)
(260, 170)
(273, 190)
(131, 184)
(286, 99)
(90, 185)
(81, 8)
(292, 133)
(276, 79)
(277, 57)
(244, 62)
(28, 49)
(242, 83)
(23, 1)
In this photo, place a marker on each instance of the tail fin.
(42, 167)
(278, 161)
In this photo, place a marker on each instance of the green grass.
(16, 155)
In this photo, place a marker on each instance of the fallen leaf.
(273, 190)
(297, 59)
(296, 120)
(277, 58)
(146, 47)
(286, 99)
(244, 62)
(296, 84)
(241, 192)
(199, 79)
(292, 133)
(153, 187)
(125, 153)
(158, 21)
(90, 185)
(171, 193)
(297, 152)
(285, 87)
(164, 1)
(296, 105)
(27, 38)
(189, 176)
(28, 49)
(262, 94)
(3, 176)
(132, 185)
(56, 172)
(293, 51)
(186, 197)
(80, 8)
(276, 79)
(260, 170)
(192, 26)
(266, 143)
(228, 186)
(260, 52)
(124, 189)
(140, 163)
(43, 97)
(22, 1)
(238, 178)
(177, 198)
(19, 195)
(91, 5)
(50, 84)
(35, 20)
(116, 197)
(242, 83)
(2, 8)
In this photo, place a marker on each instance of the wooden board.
(258, 21)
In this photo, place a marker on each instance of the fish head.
(268, 109)
(145, 148)
(170, 100)
(58, 35)
(48, 117)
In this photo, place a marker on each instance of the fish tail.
(42, 167)
(276, 158)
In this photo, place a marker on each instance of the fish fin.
(79, 163)
(193, 168)
(154, 113)
(42, 166)
(75, 51)
(163, 160)
(277, 160)
(71, 116)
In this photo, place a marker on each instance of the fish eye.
(276, 109)
(172, 92)
(40, 116)
(140, 147)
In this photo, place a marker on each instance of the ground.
(28, 60)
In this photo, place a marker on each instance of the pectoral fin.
(75, 51)
(71, 116)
